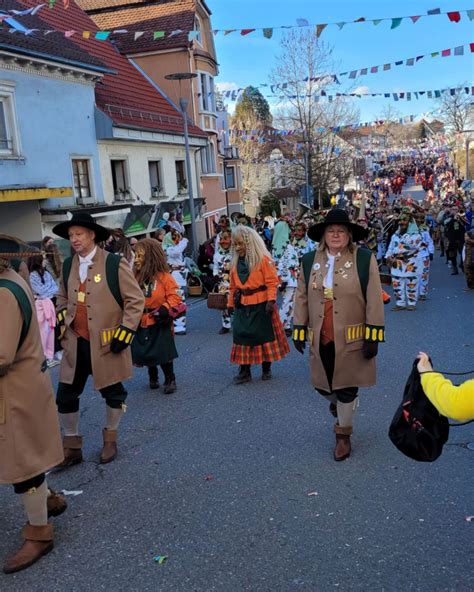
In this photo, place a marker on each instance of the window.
(81, 176)
(154, 171)
(207, 92)
(197, 27)
(119, 179)
(9, 136)
(230, 177)
(208, 160)
(181, 176)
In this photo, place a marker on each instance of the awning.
(34, 193)
(173, 206)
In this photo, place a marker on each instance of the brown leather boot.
(56, 504)
(72, 446)
(343, 442)
(38, 541)
(109, 451)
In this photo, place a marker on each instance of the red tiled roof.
(143, 15)
(53, 47)
(127, 97)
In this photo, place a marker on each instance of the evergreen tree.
(251, 105)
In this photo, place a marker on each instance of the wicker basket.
(217, 301)
(194, 286)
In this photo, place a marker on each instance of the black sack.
(417, 428)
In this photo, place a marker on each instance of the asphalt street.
(238, 488)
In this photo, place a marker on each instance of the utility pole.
(183, 104)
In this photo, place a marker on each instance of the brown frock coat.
(104, 315)
(351, 315)
(30, 441)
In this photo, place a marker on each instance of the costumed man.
(300, 240)
(99, 307)
(30, 441)
(339, 312)
(426, 255)
(402, 257)
(287, 264)
(174, 245)
(221, 270)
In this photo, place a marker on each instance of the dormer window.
(197, 27)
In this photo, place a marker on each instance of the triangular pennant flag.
(387, 67)
(454, 16)
(229, 31)
(86, 34)
(418, 58)
(175, 32)
(102, 35)
(434, 11)
(68, 34)
(374, 69)
(353, 74)
(377, 21)
(137, 35)
(268, 33)
(399, 63)
(435, 54)
(471, 45)
(363, 72)
(470, 14)
(414, 19)
(341, 25)
(320, 29)
(445, 53)
(66, 4)
(302, 22)
(192, 35)
(396, 22)
(360, 20)
(429, 94)
(215, 31)
(246, 31)
(459, 50)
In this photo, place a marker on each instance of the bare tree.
(456, 110)
(323, 159)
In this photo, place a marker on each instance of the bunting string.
(396, 96)
(453, 16)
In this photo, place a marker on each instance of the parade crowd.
(318, 279)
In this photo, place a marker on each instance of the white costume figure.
(174, 246)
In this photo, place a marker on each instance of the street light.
(183, 104)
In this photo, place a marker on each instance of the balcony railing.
(231, 153)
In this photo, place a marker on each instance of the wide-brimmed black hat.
(84, 220)
(340, 217)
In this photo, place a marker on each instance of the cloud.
(362, 90)
(223, 86)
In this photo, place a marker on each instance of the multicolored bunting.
(454, 16)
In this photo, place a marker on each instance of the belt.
(250, 291)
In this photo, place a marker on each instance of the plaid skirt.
(268, 352)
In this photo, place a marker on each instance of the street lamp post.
(183, 104)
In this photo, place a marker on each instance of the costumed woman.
(425, 256)
(29, 426)
(154, 345)
(258, 334)
(44, 290)
(174, 246)
(221, 270)
(339, 312)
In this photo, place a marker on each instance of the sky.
(249, 60)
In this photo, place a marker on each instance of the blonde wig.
(255, 247)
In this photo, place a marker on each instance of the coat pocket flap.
(106, 336)
(354, 333)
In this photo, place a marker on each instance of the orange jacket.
(264, 274)
(165, 293)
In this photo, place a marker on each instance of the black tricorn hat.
(86, 221)
(340, 217)
(14, 248)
